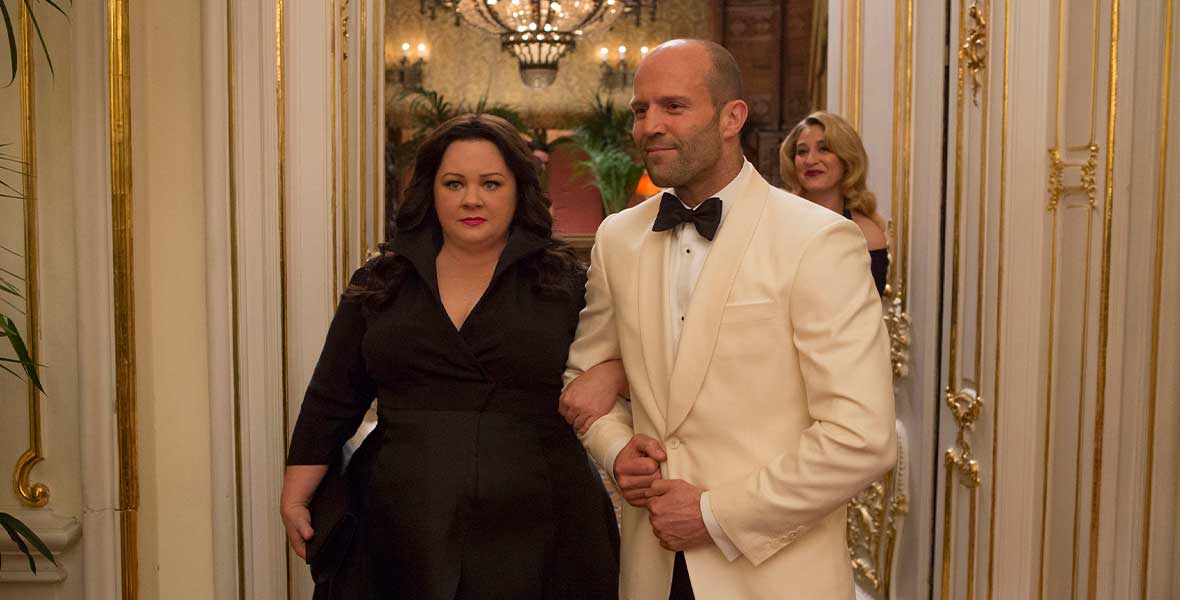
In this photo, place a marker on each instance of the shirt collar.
(729, 193)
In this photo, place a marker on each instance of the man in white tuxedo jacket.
(757, 358)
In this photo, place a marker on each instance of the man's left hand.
(674, 511)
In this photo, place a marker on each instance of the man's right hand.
(637, 466)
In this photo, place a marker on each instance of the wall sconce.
(619, 75)
(408, 72)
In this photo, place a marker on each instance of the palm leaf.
(20, 544)
(615, 173)
(8, 329)
(16, 531)
(8, 26)
(10, 371)
(41, 38)
(604, 134)
(10, 29)
(54, 5)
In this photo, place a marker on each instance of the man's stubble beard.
(684, 169)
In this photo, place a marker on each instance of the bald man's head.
(724, 78)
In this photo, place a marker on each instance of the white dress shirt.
(684, 259)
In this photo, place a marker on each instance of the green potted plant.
(604, 134)
(17, 531)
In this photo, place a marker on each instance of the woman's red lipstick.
(473, 221)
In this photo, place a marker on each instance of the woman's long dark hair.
(552, 267)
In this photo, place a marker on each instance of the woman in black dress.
(472, 485)
(824, 161)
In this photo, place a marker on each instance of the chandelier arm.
(493, 17)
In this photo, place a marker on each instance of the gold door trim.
(118, 30)
(363, 133)
(1157, 290)
(346, 174)
(966, 407)
(332, 100)
(1088, 169)
(965, 402)
(1057, 190)
(235, 297)
(853, 32)
(974, 49)
(1104, 303)
(1056, 185)
(29, 493)
(378, 130)
(897, 318)
(281, 129)
(991, 529)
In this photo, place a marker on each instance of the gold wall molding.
(966, 407)
(363, 133)
(872, 522)
(1089, 170)
(281, 132)
(991, 530)
(973, 50)
(965, 404)
(235, 297)
(1056, 178)
(345, 76)
(119, 57)
(897, 319)
(1065, 163)
(1087, 176)
(1104, 305)
(333, 13)
(30, 493)
(853, 15)
(897, 323)
(875, 514)
(378, 125)
(1157, 293)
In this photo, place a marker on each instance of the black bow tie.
(706, 217)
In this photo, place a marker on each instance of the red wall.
(576, 205)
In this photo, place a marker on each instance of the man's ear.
(733, 118)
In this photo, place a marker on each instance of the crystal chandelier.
(538, 33)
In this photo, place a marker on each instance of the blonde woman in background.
(824, 161)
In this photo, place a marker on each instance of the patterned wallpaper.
(464, 62)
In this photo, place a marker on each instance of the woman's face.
(474, 194)
(818, 168)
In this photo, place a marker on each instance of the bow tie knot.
(706, 217)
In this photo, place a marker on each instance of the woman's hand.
(592, 394)
(297, 520)
(299, 483)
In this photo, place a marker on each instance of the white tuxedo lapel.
(652, 324)
(703, 317)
